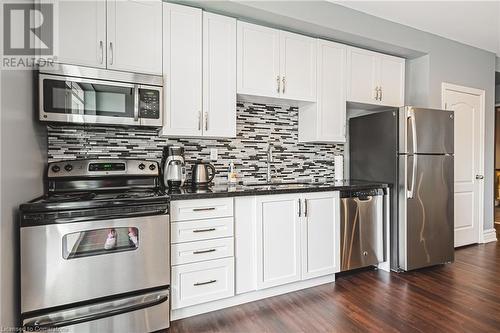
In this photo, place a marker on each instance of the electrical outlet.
(213, 154)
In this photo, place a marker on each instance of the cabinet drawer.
(186, 253)
(202, 282)
(200, 209)
(190, 231)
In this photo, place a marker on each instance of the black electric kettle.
(200, 174)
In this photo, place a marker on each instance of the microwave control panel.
(149, 103)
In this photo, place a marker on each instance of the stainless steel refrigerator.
(411, 149)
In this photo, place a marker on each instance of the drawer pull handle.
(203, 283)
(204, 251)
(203, 209)
(204, 230)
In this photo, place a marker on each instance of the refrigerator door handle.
(411, 119)
(411, 191)
(91, 312)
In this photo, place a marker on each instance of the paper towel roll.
(338, 161)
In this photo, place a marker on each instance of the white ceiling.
(474, 23)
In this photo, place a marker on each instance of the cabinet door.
(298, 67)
(258, 60)
(392, 80)
(219, 75)
(320, 245)
(331, 92)
(134, 33)
(278, 240)
(362, 76)
(182, 70)
(80, 27)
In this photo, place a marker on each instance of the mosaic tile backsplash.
(257, 125)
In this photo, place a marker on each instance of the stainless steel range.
(95, 249)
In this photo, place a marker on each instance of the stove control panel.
(89, 168)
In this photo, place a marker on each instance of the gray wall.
(23, 157)
(432, 59)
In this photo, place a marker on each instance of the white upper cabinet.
(80, 28)
(115, 34)
(392, 81)
(325, 121)
(276, 64)
(182, 70)
(219, 75)
(375, 78)
(298, 67)
(258, 64)
(199, 68)
(278, 240)
(135, 35)
(320, 235)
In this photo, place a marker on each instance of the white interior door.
(468, 105)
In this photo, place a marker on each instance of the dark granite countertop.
(224, 191)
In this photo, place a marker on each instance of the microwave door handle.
(103, 311)
(136, 102)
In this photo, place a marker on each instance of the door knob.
(479, 177)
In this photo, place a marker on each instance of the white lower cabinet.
(202, 251)
(202, 282)
(320, 234)
(297, 237)
(278, 240)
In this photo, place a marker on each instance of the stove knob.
(68, 167)
(142, 166)
(55, 168)
(152, 167)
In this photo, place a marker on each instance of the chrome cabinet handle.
(284, 85)
(111, 56)
(203, 283)
(203, 209)
(278, 83)
(380, 91)
(204, 230)
(479, 177)
(376, 93)
(300, 207)
(206, 121)
(203, 251)
(305, 207)
(101, 47)
(199, 120)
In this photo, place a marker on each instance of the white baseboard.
(489, 235)
(249, 297)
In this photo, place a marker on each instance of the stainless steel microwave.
(84, 95)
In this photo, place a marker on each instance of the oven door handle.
(82, 314)
(136, 102)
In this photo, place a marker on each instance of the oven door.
(67, 263)
(91, 101)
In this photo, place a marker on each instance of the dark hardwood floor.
(459, 297)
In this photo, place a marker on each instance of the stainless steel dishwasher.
(361, 228)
